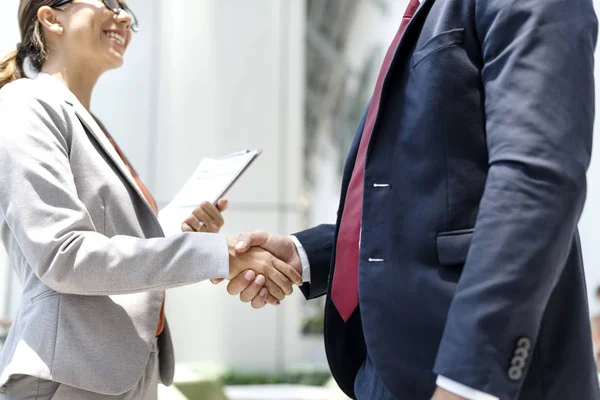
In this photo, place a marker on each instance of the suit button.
(522, 353)
(518, 362)
(515, 373)
(524, 343)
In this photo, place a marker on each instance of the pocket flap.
(453, 246)
(438, 42)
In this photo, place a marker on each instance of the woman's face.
(94, 34)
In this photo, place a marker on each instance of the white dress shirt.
(442, 382)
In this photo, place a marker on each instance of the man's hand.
(278, 275)
(250, 290)
(206, 218)
(280, 246)
(441, 394)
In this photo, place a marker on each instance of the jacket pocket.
(437, 43)
(43, 295)
(453, 246)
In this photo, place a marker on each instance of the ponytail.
(30, 54)
(10, 70)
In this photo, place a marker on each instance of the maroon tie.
(344, 291)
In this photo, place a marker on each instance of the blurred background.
(291, 77)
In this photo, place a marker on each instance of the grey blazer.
(88, 250)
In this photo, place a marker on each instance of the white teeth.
(115, 35)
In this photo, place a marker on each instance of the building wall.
(230, 77)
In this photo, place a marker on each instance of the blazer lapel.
(417, 19)
(92, 127)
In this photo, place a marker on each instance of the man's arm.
(313, 245)
(318, 245)
(539, 101)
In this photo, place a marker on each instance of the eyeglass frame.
(135, 27)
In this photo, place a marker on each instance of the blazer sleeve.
(539, 103)
(318, 244)
(53, 229)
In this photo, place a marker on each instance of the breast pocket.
(438, 43)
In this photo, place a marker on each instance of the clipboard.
(211, 180)
(253, 155)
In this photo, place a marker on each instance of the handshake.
(263, 268)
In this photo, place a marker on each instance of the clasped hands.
(263, 267)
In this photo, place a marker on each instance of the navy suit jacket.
(484, 135)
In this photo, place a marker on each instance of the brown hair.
(32, 46)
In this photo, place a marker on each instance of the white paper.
(208, 182)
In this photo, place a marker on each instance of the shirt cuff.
(462, 390)
(303, 259)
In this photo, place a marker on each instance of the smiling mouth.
(116, 37)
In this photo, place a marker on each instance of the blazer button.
(515, 373)
(518, 362)
(522, 353)
(524, 343)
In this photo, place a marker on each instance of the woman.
(81, 229)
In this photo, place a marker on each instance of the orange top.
(161, 318)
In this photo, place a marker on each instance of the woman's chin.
(116, 59)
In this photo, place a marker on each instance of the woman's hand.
(206, 218)
(279, 276)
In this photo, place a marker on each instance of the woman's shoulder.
(28, 102)
(28, 91)
(26, 97)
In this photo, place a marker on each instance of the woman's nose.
(124, 18)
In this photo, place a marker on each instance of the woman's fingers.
(206, 217)
(238, 284)
(210, 215)
(222, 204)
(253, 289)
(185, 227)
(191, 222)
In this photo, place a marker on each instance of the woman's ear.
(48, 17)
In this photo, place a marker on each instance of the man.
(454, 269)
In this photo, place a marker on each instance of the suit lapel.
(94, 130)
(92, 127)
(417, 19)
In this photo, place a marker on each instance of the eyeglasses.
(115, 6)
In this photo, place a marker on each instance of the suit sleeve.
(318, 244)
(539, 102)
(53, 229)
